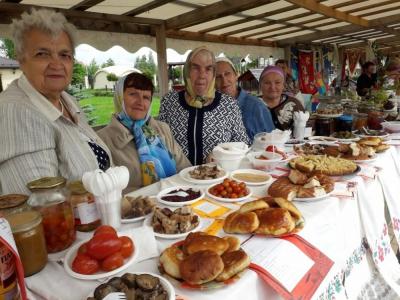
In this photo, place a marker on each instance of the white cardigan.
(36, 140)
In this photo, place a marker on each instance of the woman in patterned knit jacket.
(200, 117)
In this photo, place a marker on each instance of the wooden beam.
(203, 37)
(248, 19)
(84, 5)
(12, 1)
(11, 8)
(329, 12)
(161, 45)
(148, 6)
(211, 12)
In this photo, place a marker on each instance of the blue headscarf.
(155, 159)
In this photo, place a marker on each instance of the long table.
(346, 229)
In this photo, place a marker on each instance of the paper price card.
(209, 209)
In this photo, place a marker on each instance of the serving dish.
(165, 192)
(251, 176)
(185, 174)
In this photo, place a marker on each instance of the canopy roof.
(348, 23)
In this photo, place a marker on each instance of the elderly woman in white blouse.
(43, 131)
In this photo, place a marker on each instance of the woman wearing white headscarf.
(200, 117)
(144, 145)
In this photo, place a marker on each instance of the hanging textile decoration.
(306, 73)
(320, 84)
(344, 63)
(327, 63)
(353, 57)
(294, 62)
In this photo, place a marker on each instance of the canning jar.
(324, 126)
(84, 206)
(51, 199)
(375, 119)
(12, 203)
(344, 123)
(360, 121)
(28, 234)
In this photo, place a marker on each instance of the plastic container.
(13, 203)
(28, 234)
(85, 211)
(51, 199)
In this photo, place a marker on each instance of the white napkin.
(144, 239)
(300, 117)
(276, 137)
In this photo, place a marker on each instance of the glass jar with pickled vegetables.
(51, 198)
(28, 234)
(84, 206)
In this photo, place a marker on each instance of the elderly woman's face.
(47, 62)
(201, 72)
(137, 102)
(272, 86)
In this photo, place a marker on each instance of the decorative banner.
(320, 84)
(306, 73)
(344, 63)
(354, 57)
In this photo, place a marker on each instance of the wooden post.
(161, 45)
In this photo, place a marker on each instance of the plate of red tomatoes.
(229, 191)
(104, 255)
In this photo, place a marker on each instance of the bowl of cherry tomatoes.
(104, 255)
(229, 191)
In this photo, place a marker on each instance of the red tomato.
(233, 196)
(112, 262)
(105, 229)
(83, 248)
(271, 148)
(126, 247)
(84, 264)
(102, 245)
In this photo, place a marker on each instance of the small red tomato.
(229, 189)
(242, 185)
(112, 262)
(224, 193)
(83, 248)
(84, 264)
(126, 247)
(233, 196)
(226, 184)
(105, 229)
(102, 245)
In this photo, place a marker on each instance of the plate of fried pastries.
(204, 261)
(273, 217)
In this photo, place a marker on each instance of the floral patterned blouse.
(282, 114)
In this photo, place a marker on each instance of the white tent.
(100, 78)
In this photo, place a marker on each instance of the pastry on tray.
(277, 217)
(324, 164)
(202, 258)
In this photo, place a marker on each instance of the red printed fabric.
(306, 73)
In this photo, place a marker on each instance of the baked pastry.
(253, 205)
(275, 221)
(234, 243)
(328, 165)
(238, 222)
(370, 141)
(311, 192)
(200, 242)
(201, 267)
(381, 148)
(283, 187)
(171, 259)
(296, 177)
(283, 203)
(234, 262)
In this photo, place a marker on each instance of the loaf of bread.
(275, 221)
(238, 222)
(282, 187)
(234, 262)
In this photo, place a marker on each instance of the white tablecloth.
(336, 226)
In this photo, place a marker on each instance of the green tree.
(92, 68)
(146, 65)
(108, 63)
(112, 77)
(7, 48)
(78, 74)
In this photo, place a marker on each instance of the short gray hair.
(46, 20)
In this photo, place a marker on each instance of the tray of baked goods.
(272, 217)
(204, 261)
(298, 186)
(324, 164)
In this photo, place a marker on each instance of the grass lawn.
(103, 108)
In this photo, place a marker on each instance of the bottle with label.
(8, 275)
(85, 211)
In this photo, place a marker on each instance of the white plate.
(164, 192)
(134, 220)
(345, 141)
(374, 136)
(366, 161)
(147, 222)
(254, 172)
(328, 116)
(313, 198)
(69, 257)
(184, 174)
(322, 138)
(164, 282)
(229, 200)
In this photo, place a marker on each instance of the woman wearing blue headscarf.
(136, 140)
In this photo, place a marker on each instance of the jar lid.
(77, 188)
(345, 118)
(23, 221)
(12, 200)
(46, 183)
